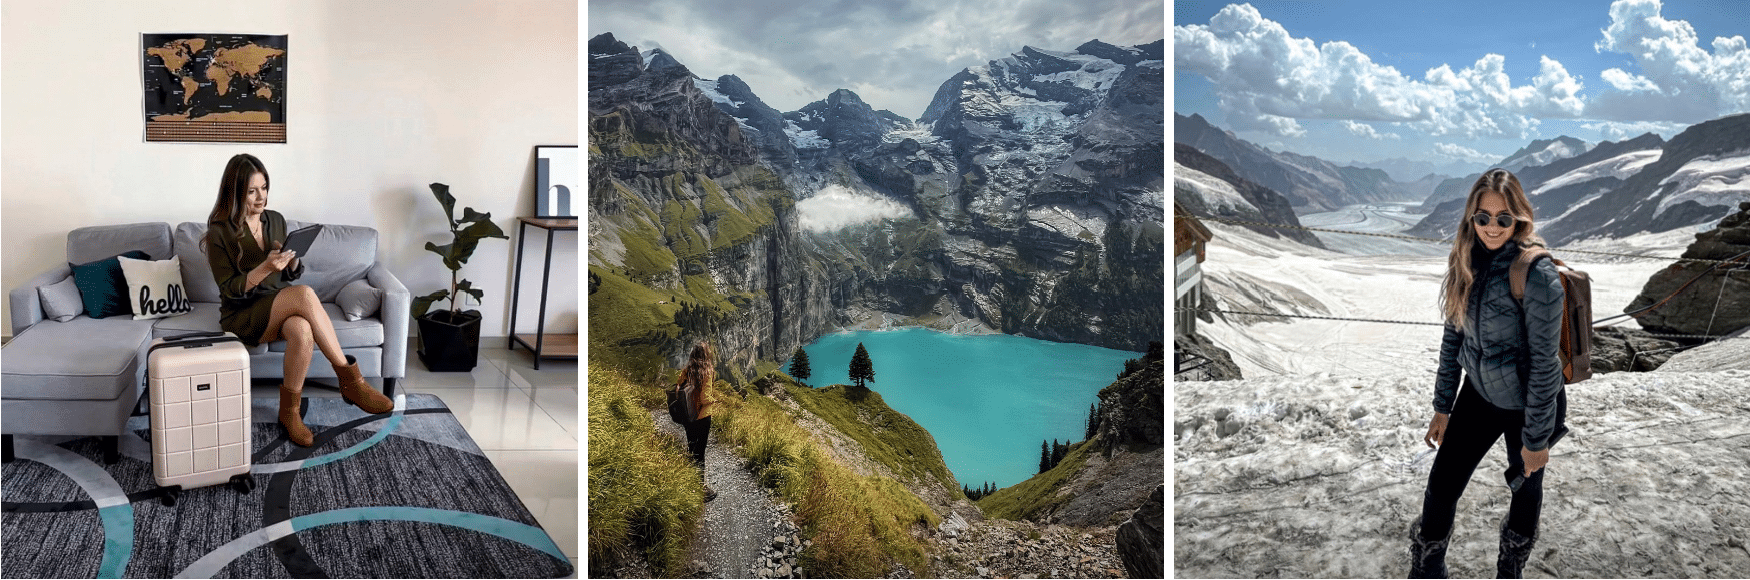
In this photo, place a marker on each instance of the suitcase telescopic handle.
(206, 339)
(202, 334)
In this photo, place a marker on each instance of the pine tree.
(861, 367)
(799, 364)
(1044, 457)
(1093, 421)
(1057, 452)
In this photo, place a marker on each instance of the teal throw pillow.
(103, 287)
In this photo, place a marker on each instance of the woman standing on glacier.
(1507, 350)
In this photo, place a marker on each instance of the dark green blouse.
(232, 254)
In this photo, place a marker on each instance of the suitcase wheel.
(243, 483)
(170, 495)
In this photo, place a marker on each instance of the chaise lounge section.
(85, 376)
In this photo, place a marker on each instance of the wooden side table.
(540, 343)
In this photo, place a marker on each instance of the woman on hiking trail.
(695, 382)
(1506, 350)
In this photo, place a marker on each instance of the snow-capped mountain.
(1207, 187)
(1568, 181)
(1540, 152)
(1544, 152)
(1408, 170)
(1310, 184)
(1616, 189)
(1028, 200)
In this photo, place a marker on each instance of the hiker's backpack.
(678, 405)
(1576, 335)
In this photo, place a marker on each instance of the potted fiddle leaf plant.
(449, 339)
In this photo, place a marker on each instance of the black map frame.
(188, 97)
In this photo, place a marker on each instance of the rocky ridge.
(1310, 184)
(1262, 204)
(1718, 303)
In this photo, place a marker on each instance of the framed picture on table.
(557, 181)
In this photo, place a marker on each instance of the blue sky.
(1474, 81)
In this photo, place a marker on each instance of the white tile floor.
(525, 420)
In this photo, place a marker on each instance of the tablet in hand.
(300, 241)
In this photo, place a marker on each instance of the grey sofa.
(85, 376)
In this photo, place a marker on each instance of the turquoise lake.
(988, 400)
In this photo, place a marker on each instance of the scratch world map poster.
(215, 87)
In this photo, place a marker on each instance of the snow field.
(1710, 180)
(1251, 272)
(1321, 475)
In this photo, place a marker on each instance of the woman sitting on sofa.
(259, 302)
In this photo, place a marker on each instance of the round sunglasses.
(1503, 219)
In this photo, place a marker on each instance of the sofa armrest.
(395, 312)
(27, 307)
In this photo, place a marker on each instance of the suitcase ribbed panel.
(200, 413)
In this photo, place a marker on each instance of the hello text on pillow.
(155, 289)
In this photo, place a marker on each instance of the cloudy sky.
(892, 53)
(1368, 80)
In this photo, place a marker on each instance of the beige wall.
(382, 99)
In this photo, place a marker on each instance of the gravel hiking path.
(740, 523)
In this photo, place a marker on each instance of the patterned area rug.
(405, 494)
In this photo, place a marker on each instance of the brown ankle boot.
(355, 390)
(295, 430)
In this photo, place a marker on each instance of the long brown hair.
(233, 186)
(1455, 290)
(700, 370)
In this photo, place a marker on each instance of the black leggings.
(1472, 430)
(698, 432)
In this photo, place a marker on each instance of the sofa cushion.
(98, 242)
(61, 300)
(204, 318)
(197, 274)
(359, 300)
(350, 333)
(155, 287)
(102, 287)
(340, 255)
(83, 359)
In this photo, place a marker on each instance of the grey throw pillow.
(61, 300)
(358, 300)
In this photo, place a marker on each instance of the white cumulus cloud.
(836, 206)
(1680, 81)
(1365, 130)
(1626, 81)
(1464, 153)
(1267, 78)
(1620, 130)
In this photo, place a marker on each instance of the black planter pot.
(449, 342)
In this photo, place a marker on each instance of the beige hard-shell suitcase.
(199, 386)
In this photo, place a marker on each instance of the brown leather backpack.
(1576, 335)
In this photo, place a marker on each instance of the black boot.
(1427, 557)
(1515, 550)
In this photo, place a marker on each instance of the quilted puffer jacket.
(1509, 351)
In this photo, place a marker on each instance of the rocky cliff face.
(1718, 303)
(1261, 204)
(1035, 195)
